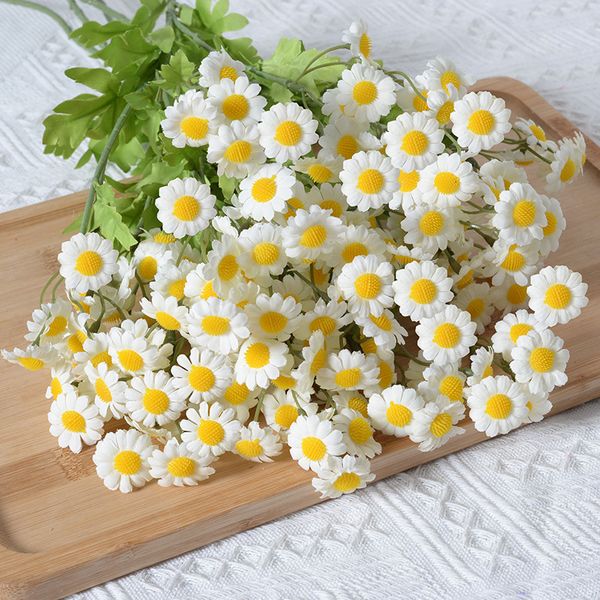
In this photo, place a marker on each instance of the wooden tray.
(62, 531)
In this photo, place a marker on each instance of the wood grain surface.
(62, 531)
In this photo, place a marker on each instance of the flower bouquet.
(312, 249)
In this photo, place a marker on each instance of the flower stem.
(47, 285)
(107, 11)
(320, 55)
(76, 10)
(43, 9)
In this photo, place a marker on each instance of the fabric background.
(516, 517)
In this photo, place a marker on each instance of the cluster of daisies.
(396, 210)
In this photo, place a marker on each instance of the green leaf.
(147, 15)
(216, 18)
(100, 80)
(108, 220)
(92, 33)
(163, 38)
(177, 74)
(74, 226)
(128, 51)
(160, 174)
(241, 49)
(227, 186)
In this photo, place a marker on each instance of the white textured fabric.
(516, 517)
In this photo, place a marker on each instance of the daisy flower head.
(131, 352)
(87, 262)
(567, 162)
(258, 444)
(481, 363)
(222, 266)
(475, 299)
(217, 66)
(238, 397)
(343, 137)
(480, 121)
(266, 192)
(360, 41)
(121, 459)
(203, 376)
(352, 400)
(198, 286)
(538, 405)
(556, 224)
(262, 255)
(368, 180)
(557, 295)
(407, 194)
(310, 234)
(539, 360)
(446, 382)
(422, 289)
(106, 389)
(413, 100)
(185, 206)
(237, 100)
(320, 169)
(189, 120)
(314, 358)
(281, 409)
(259, 362)
(435, 424)
(440, 104)
(447, 336)
(357, 432)
(61, 380)
(413, 141)
(74, 421)
(313, 440)
(366, 284)
(210, 429)
(176, 465)
(442, 74)
(170, 280)
(328, 197)
(342, 475)
(366, 93)
(510, 328)
(393, 410)
(384, 329)
(152, 399)
(148, 257)
(513, 261)
(535, 135)
(273, 317)
(235, 149)
(49, 323)
(348, 370)
(449, 181)
(356, 240)
(497, 405)
(431, 228)
(165, 311)
(287, 131)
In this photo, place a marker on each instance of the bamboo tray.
(62, 531)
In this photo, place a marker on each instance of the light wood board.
(62, 531)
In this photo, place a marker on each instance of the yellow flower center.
(265, 253)
(264, 189)
(498, 406)
(238, 152)
(155, 401)
(201, 378)
(324, 323)
(258, 355)
(347, 146)
(431, 223)
(370, 181)
(127, 462)
(398, 415)
(415, 143)
(284, 382)
(541, 360)
(447, 335)
(568, 171)
(364, 92)
(524, 213)
(558, 296)
(514, 260)
(249, 448)
(364, 45)
(235, 107)
(444, 112)
(441, 425)
(288, 133)
(55, 387)
(147, 268)
(516, 293)
(359, 405)
(194, 128)
(164, 238)
(214, 325)
(272, 322)
(130, 360)
(352, 250)
(538, 132)
(476, 307)
(72, 421)
(319, 173)
(210, 432)
(360, 431)
(383, 322)
(418, 103)
(208, 291)
(451, 386)
(408, 180)
(75, 342)
(228, 267)
(56, 327)
(166, 321)
(386, 374)
(332, 205)
(348, 378)
(101, 357)
(550, 228)
(181, 466)
(102, 390)
(519, 329)
(313, 236)
(423, 291)
(318, 361)
(176, 288)
(313, 448)
(346, 482)
(285, 415)
(236, 393)
(228, 72)
(446, 182)
(368, 286)
(186, 208)
(481, 122)
(89, 263)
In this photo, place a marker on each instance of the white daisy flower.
(509, 329)
(189, 121)
(287, 131)
(262, 256)
(74, 421)
(235, 149)
(320, 169)
(133, 353)
(516, 262)
(310, 234)
(413, 141)
(198, 286)
(557, 295)
(497, 405)
(368, 180)
(442, 74)
(568, 162)
(475, 299)
(314, 357)
(366, 93)
(402, 255)
(356, 240)
(217, 324)
(327, 317)
(238, 397)
(480, 121)
(328, 197)
(153, 399)
(121, 459)
(332, 105)
(413, 100)
(435, 424)
(449, 181)
(440, 104)
(49, 323)
(360, 42)
(61, 381)
(352, 400)
(538, 406)
(556, 224)
(257, 444)
(203, 376)
(87, 262)
(218, 65)
(94, 351)
(165, 311)
(281, 409)
(210, 430)
(447, 336)
(245, 292)
(344, 137)
(393, 411)
(313, 440)
(273, 317)
(348, 371)
(534, 134)
(222, 266)
(342, 475)
(108, 391)
(237, 100)
(384, 329)
(366, 284)
(259, 362)
(431, 228)
(171, 279)
(149, 257)
(176, 465)
(266, 192)
(540, 360)
(185, 206)
(481, 363)
(499, 175)
(357, 432)
(422, 289)
(443, 381)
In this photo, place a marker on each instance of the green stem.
(107, 11)
(320, 55)
(259, 404)
(47, 285)
(43, 9)
(401, 350)
(119, 309)
(321, 66)
(101, 168)
(406, 77)
(76, 10)
(315, 289)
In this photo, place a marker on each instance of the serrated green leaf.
(129, 50)
(241, 49)
(100, 80)
(108, 220)
(160, 174)
(227, 186)
(163, 38)
(147, 15)
(186, 15)
(216, 19)
(177, 74)
(92, 33)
